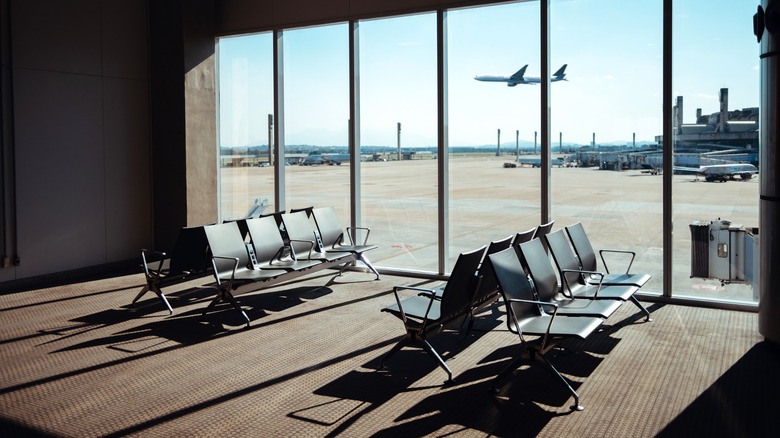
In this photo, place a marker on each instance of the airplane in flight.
(521, 78)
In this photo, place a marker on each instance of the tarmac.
(619, 209)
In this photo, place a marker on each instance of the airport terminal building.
(126, 123)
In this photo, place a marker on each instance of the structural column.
(766, 23)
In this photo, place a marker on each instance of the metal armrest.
(216, 272)
(549, 325)
(349, 234)
(581, 271)
(158, 272)
(280, 253)
(428, 292)
(292, 250)
(617, 251)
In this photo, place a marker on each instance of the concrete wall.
(81, 129)
(183, 84)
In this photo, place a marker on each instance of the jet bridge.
(724, 251)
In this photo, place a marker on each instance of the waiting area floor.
(78, 361)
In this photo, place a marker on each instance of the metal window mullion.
(354, 126)
(443, 139)
(546, 201)
(280, 157)
(667, 147)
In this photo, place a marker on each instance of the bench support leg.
(641, 307)
(576, 406)
(157, 292)
(226, 296)
(368, 264)
(408, 340)
(530, 355)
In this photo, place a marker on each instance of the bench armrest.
(349, 234)
(427, 292)
(542, 303)
(292, 249)
(617, 251)
(217, 273)
(280, 253)
(153, 273)
(598, 274)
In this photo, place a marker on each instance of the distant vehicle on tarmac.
(320, 158)
(537, 162)
(336, 159)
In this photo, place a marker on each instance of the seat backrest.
(524, 236)
(265, 236)
(225, 240)
(582, 247)
(564, 257)
(306, 209)
(277, 215)
(514, 285)
(298, 228)
(191, 251)
(488, 285)
(328, 224)
(536, 260)
(457, 294)
(543, 229)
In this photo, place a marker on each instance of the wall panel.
(57, 35)
(128, 187)
(125, 51)
(59, 171)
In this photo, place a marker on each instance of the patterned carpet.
(78, 361)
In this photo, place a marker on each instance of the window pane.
(245, 101)
(490, 121)
(604, 123)
(398, 110)
(716, 86)
(316, 117)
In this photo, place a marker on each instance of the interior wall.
(81, 133)
(245, 16)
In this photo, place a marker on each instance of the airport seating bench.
(277, 253)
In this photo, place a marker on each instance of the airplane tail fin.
(560, 75)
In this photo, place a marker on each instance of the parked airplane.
(719, 172)
(521, 78)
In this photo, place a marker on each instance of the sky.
(613, 50)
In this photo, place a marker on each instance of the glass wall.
(605, 119)
(715, 189)
(246, 101)
(606, 114)
(492, 123)
(316, 117)
(398, 123)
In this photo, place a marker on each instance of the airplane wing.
(518, 77)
